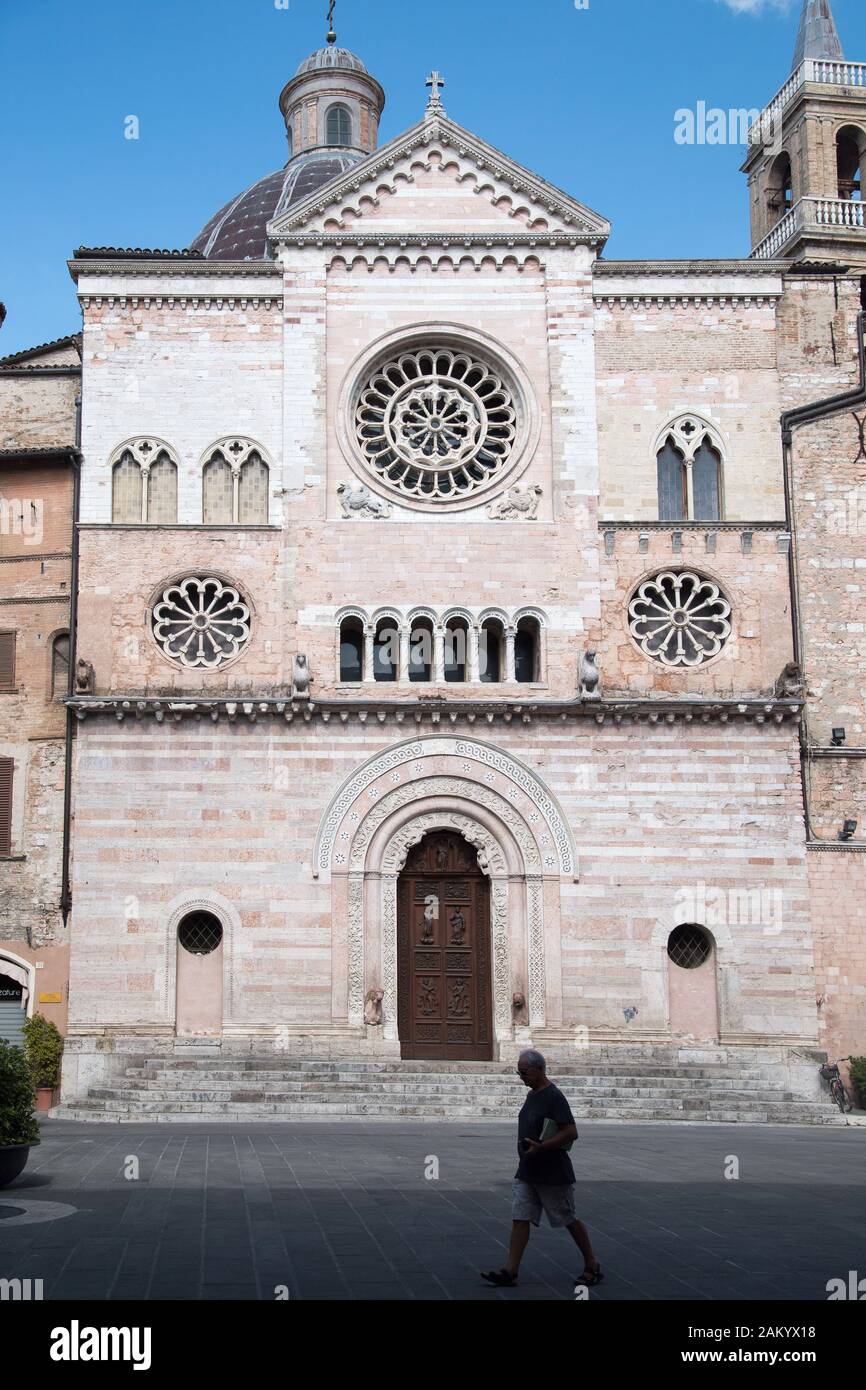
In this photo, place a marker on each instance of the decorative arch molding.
(523, 857)
(17, 968)
(483, 764)
(203, 900)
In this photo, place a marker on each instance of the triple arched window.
(144, 484)
(689, 457)
(450, 649)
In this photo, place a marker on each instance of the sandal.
(501, 1278)
(589, 1278)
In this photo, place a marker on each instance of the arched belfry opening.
(444, 978)
(780, 189)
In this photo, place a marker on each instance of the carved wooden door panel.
(443, 947)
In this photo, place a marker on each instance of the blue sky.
(585, 97)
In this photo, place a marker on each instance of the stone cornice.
(438, 714)
(404, 240)
(830, 847)
(692, 526)
(186, 269)
(746, 267)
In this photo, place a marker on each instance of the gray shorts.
(529, 1202)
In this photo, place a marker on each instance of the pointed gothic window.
(689, 467)
(235, 485)
(338, 126)
(144, 485)
(162, 492)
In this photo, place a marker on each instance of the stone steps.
(203, 1083)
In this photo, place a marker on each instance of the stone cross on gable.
(435, 82)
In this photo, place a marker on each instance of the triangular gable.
(439, 178)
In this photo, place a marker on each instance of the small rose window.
(680, 618)
(201, 622)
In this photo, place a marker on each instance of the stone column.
(439, 655)
(369, 639)
(510, 675)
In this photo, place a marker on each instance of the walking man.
(545, 1178)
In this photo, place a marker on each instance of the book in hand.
(549, 1129)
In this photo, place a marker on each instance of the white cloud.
(756, 6)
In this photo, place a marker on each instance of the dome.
(326, 58)
(238, 232)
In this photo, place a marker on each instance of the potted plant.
(43, 1043)
(858, 1079)
(18, 1127)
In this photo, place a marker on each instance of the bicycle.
(831, 1074)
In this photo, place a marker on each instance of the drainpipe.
(791, 420)
(75, 460)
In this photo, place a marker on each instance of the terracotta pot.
(13, 1159)
(44, 1099)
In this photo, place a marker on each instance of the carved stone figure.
(373, 1008)
(431, 915)
(85, 679)
(517, 504)
(789, 686)
(590, 677)
(358, 500)
(518, 1007)
(301, 678)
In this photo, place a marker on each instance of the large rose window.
(436, 424)
(201, 622)
(679, 618)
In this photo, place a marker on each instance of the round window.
(689, 947)
(437, 423)
(201, 622)
(680, 618)
(200, 933)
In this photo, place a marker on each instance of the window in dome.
(338, 126)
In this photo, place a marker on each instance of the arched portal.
(444, 952)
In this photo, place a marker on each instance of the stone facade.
(615, 794)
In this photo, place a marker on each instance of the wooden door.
(443, 945)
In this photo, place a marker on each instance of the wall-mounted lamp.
(848, 831)
(838, 738)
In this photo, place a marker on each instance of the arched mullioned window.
(352, 650)
(527, 651)
(427, 647)
(689, 464)
(491, 652)
(144, 484)
(780, 189)
(338, 126)
(456, 650)
(386, 651)
(235, 484)
(851, 163)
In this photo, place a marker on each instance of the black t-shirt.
(552, 1168)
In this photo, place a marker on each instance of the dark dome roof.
(331, 57)
(238, 231)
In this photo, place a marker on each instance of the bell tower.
(806, 164)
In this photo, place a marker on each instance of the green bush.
(858, 1077)
(17, 1102)
(43, 1044)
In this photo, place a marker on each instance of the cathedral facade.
(461, 645)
